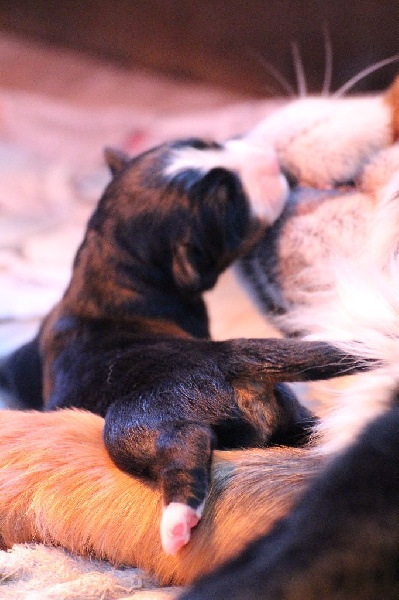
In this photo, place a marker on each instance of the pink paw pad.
(176, 523)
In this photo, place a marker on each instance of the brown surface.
(220, 41)
(67, 75)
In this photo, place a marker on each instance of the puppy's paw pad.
(176, 523)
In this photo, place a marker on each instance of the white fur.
(363, 305)
(350, 290)
(176, 523)
(363, 399)
(257, 166)
(348, 286)
(322, 140)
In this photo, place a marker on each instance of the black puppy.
(340, 542)
(129, 340)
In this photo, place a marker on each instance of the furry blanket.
(37, 572)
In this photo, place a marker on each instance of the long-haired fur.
(329, 267)
(59, 486)
(339, 542)
(341, 539)
(362, 303)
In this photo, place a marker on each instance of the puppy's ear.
(186, 276)
(116, 160)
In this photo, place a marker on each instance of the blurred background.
(78, 75)
(231, 43)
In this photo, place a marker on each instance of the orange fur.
(59, 486)
(392, 97)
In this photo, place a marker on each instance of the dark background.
(225, 42)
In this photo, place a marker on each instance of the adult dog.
(341, 540)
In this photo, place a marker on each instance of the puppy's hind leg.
(177, 455)
(184, 458)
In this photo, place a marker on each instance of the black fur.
(340, 542)
(21, 376)
(130, 339)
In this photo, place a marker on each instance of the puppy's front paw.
(176, 523)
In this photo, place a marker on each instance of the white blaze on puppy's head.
(256, 165)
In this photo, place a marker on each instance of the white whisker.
(271, 90)
(364, 73)
(299, 70)
(328, 61)
(274, 72)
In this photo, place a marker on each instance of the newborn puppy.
(130, 341)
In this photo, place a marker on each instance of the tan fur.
(392, 98)
(59, 486)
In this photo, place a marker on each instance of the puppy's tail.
(59, 486)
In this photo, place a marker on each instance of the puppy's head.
(187, 209)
